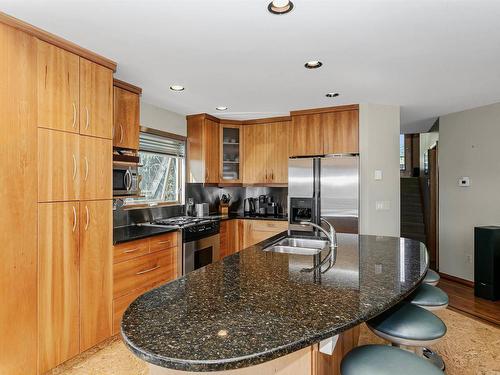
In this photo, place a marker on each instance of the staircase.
(412, 213)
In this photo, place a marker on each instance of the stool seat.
(385, 360)
(429, 297)
(408, 324)
(431, 277)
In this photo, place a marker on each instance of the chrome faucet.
(332, 238)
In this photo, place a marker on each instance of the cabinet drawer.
(144, 270)
(163, 242)
(130, 250)
(269, 226)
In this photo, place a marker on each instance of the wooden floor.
(462, 299)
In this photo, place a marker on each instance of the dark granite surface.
(136, 232)
(255, 306)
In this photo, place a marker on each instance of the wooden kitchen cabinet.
(278, 136)
(203, 150)
(256, 231)
(306, 135)
(126, 122)
(231, 142)
(58, 283)
(96, 100)
(96, 165)
(96, 272)
(340, 132)
(58, 166)
(58, 88)
(229, 237)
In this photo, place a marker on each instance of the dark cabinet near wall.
(487, 262)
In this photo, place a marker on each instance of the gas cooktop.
(182, 221)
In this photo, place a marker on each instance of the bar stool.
(407, 324)
(431, 277)
(384, 360)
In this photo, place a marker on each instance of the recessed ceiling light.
(177, 88)
(280, 6)
(313, 64)
(332, 95)
(221, 108)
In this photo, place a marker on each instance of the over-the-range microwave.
(125, 178)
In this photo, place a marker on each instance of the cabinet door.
(96, 273)
(255, 154)
(211, 151)
(96, 165)
(58, 267)
(96, 99)
(229, 238)
(340, 132)
(230, 153)
(306, 135)
(277, 135)
(58, 82)
(256, 231)
(58, 166)
(125, 119)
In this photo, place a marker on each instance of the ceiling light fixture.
(332, 95)
(313, 64)
(280, 6)
(177, 88)
(221, 108)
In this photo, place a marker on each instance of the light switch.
(378, 175)
(464, 181)
(382, 205)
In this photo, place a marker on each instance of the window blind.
(162, 145)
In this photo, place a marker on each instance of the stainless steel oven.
(200, 245)
(125, 179)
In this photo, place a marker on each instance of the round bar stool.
(430, 298)
(431, 277)
(407, 324)
(384, 360)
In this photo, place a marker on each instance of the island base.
(307, 361)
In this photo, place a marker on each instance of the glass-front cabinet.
(230, 153)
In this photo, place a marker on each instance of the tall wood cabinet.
(203, 165)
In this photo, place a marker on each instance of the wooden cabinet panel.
(256, 154)
(211, 151)
(129, 250)
(259, 230)
(277, 135)
(96, 99)
(144, 270)
(162, 242)
(96, 275)
(231, 142)
(306, 135)
(126, 110)
(120, 305)
(18, 256)
(58, 166)
(229, 237)
(96, 166)
(58, 283)
(340, 132)
(58, 88)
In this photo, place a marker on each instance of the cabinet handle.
(121, 133)
(86, 168)
(148, 270)
(130, 250)
(163, 242)
(74, 115)
(87, 221)
(87, 120)
(74, 219)
(74, 166)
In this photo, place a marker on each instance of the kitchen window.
(161, 170)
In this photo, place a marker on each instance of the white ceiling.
(432, 57)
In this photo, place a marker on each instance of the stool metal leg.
(434, 358)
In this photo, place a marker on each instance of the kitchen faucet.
(332, 238)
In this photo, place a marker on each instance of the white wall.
(468, 146)
(379, 128)
(162, 119)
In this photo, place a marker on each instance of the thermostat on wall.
(464, 181)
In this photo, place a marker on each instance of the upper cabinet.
(306, 135)
(58, 88)
(96, 99)
(203, 149)
(231, 141)
(126, 115)
(340, 132)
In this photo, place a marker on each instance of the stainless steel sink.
(303, 242)
(293, 250)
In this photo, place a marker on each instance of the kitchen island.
(256, 311)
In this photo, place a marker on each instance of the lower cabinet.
(142, 265)
(256, 231)
(229, 237)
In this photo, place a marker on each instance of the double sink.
(298, 246)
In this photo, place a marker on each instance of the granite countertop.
(136, 232)
(254, 306)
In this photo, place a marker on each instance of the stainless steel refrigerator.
(326, 186)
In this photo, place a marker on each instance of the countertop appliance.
(126, 179)
(249, 206)
(324, 186)
(201, 209)
(200, 240)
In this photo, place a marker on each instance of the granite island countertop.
(255, 306)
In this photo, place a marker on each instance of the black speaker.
(487, 262)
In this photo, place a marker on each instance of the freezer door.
(340, 192)
(300, 178)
